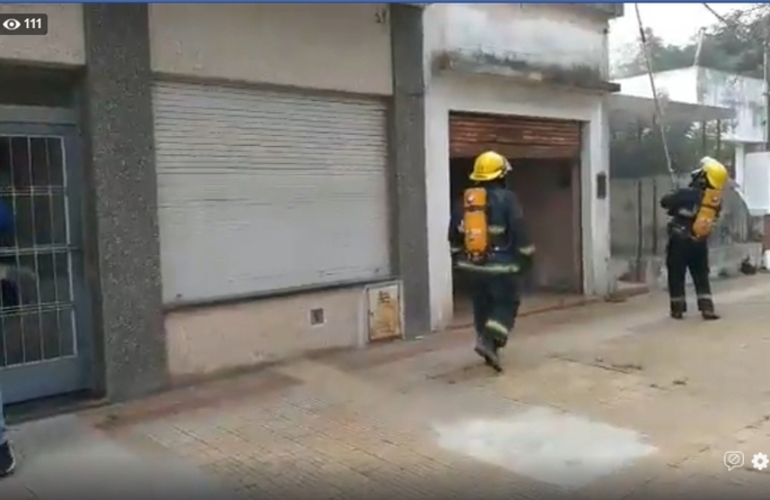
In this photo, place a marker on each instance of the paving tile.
(335, 427)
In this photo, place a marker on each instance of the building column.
(408, 152)
(595, 212)
(739, 164)
(124, 249)
(766, 241)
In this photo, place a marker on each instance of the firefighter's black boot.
(678, 308)
(706, 307)
(487, 349)
(7, 460)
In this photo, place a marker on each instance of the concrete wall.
(327, 47)
(724, 262)
(323, 46)
(212, 339)
(624, 214)
(735, 227)
(63, 45)
(539, 34)
(121, 242)
(408, 182)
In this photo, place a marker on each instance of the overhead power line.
(715, 13)
(656, 101)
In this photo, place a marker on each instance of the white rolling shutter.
(268, 190)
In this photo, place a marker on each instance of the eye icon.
(11, 24)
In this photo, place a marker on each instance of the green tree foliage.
(638, 151)
(664, 57)
(734, 45)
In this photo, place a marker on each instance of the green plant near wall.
(638, 152)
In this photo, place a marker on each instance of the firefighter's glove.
(527, 255)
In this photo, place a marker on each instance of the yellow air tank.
(707, 214)
(475, 223)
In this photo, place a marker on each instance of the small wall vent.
(317, 317)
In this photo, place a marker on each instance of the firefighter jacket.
(510, 250)
(682, 206)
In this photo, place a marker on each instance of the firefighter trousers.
(496, 303)
(682, 255)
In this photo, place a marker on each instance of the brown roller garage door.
(513, 136)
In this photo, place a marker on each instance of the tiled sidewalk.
(608, 401)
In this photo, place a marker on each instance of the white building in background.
(710, 87)
(747, 131)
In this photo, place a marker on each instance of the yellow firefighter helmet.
(489, 166)
(714, 172)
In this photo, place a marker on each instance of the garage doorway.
(545, 155)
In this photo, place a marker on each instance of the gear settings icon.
(760, 461)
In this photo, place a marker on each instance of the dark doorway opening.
(547, 183)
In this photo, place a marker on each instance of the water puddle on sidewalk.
(552, 447)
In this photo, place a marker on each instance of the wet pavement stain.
(564, 450)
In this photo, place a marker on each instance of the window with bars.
(36, 293)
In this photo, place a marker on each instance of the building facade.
(197, 188)
(530, 81)
(200, 188)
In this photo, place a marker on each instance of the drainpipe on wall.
(766, 64)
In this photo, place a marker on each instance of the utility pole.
(766, 64)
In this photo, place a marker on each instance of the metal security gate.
(42, 292)
(264, 190)
(516, 137)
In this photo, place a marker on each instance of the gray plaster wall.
(735, 224)
(123, 249)
(408, 154)
(724, 262)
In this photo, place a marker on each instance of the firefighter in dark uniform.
(493, 278)
(693, 211)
